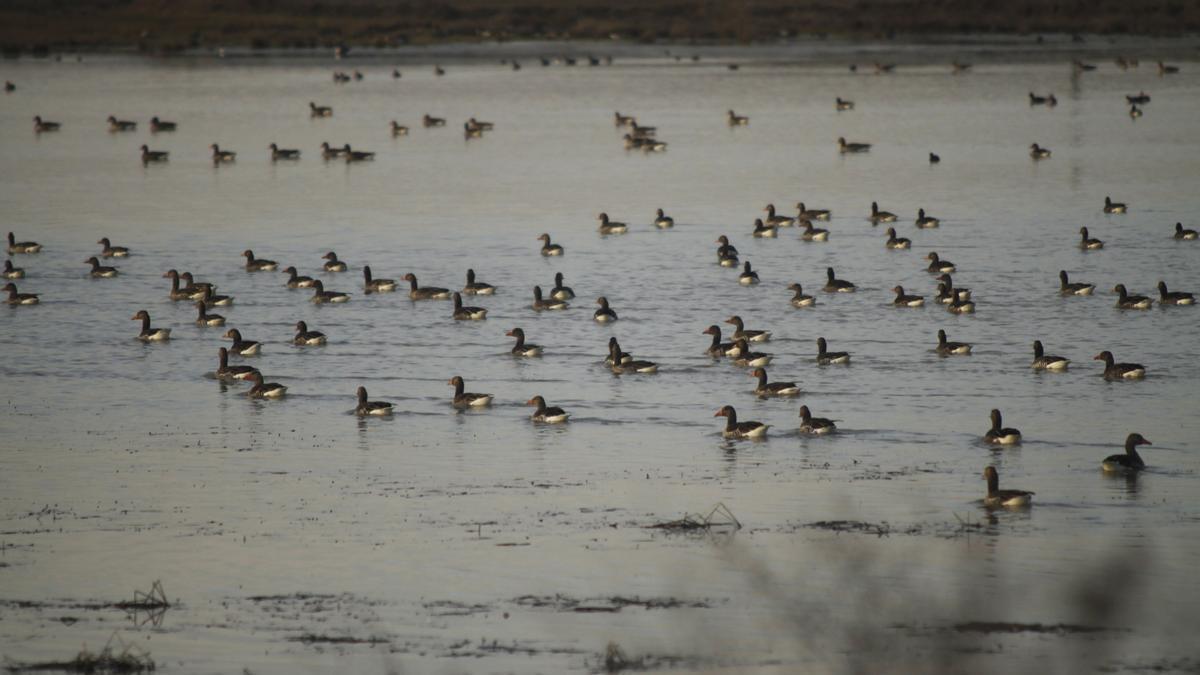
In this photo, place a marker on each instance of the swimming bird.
(835, 285)
(263, 389)
(1119, 371)
(149, 155)
(549, 249)
(41, 126)
(315, 110)
(774, 220)
(15, 246)
(1130, 461)
(1139, 98)
(540, 303)
(615, 355)
(768, 389)
(462, 313)
(439, 71)
(258, 264)
(727, 255)
(367, 408)
(297, 281)
(480, 125)
(110, 251)
(373, 285)
(1127, 301)
(329, 152)
(522, 348)
(561, 292)
(11, 272)
(620, 120)
(332, 264)
(1066, 287)
(160, 126)
(1008, 498)
(663, 221)
(952, 292)
(1083, 67)
(1088, 243)
(934, 159)
(961, 303)
(763, 231)
(471, 132)
(846, 148)
(15, 298)
(307, 338)
(322, 296)
(242, 347)
(546, 414)
(1034, 99)
(735, 429)
(1184, 234)
(905, 300)
(100, 271)
(811, 233)
(228, 372)
(826, 357)
(198, 288)
(748, 276)
(278, 153)
(1044, 361)
(1114, 207)
(937, 265)
(1135, 112)
(398, 129)
(799, 299)
(805, 213)
(843, 104)
(149, 333)
(430, 121)
(1166, 69)
(115, 124)
(178, 293)
(1038, 152)
(466, 399)
(1166, 297)
(718, 348)
(947, 348)
(898, 243)
(1001, 436)
(356, 155)
(740, 332)
(203, 318)
(925, 222)
(878, 216)
(621, 363)
(817, 426)
(736, 120)
(610, 227)
(605, 314)
(477, 287)
(219, 155)
(427, 293)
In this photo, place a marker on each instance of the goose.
(160, 126)
(203, 318)
(549, 249)
(1066, 287)
(522, 348)
(774, 220)
(748, 276)
(1083, 67)
(1135, 112)
(356, 155)
(610, 227)
(330, 152)
(763, 231)
(663, 221)
(197, 288)
(1088, 243)
(561, 292)
(638, 130)
(605, 314)
(315, 110)
(898, 243)
(961, 303)
(427, 293)
(439, 71)
(1184, 234)
(1127, 301)
(846, 148)
(471, 132)
(905, 300)
(937, 265)
(149, 333)
(740, 332)
(843, 104)
(948, 348)
(727, 255)
(545, 414)
(925, 222)
(769, 389)
(297, 281)
(805, 213)
(480, 125)
(1043, 361)
(398, 129)
(373, 285)
(477, 287)
(934, 159)
(228, 372)
(736, 120)
(332, 264)
(1119, 371)
(242, 347)
(219, 155)
(1166, 69)
(466, 399)
(620, 120)
(835, 285)
(735, 429)
(11, 272)
(40, 125)
(15, 298)
(1038, 152)
(1114, 207)
(264, 389)
(178, 293)
(307, 338)
(952, 291)
(1140, 97)
(278, 153)
(462, 313)
(718, 348)
(430, 121)
(258, 264)
(149, 155)
(367, 408)
(1001, 436)
(878, 216)
(322, 296)
(1008, 498)
(881, 68)
(811, 233)
(614, 352)
(110, 251)
(1166, 297)
(1130, 461)
(540, 303)
(826, 357)
(650, 145)
(620, 365)
(1034, 99)
(115, 124)
(816, 426)
(100, 271)
(799, 299)
(15, 246)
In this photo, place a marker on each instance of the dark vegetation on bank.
(171, 25)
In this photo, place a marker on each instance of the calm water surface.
(466, 542)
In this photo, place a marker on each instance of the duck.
(228, 372)
(769, 389)
(297, 281)
(356, 155)
(278, 153)
(540, 303)
(1185, 234)
(41, 126)
(1166, 297)
(373, 285)
(605, 314)
(307, 338)
(466, 399)
(805, 213)
(816, 426)
(178, 293)
(1119, 371)
(897, 243)
(545, 414)
(811, 233)
(925, 222)
(1087, 243)
(203, 318)
(15, 298)
(315, 110)
(799, 299)
(242, 347)
(258, 264)
(115, 124)
(736, 120)
(842, 104)
(561, 292)
(1127, 301)
(160, 126)
(614, 351)
(1114, 207)
(610, 227)
(549, 249)
(826, 357)
(100, 271)
(430, 121)
(477, 287)
(1038, 152)
(322, 296)
(952, 292)
(1130, 461)
(663, 221)
(934, 159)
(522, 348)
(11, 272)
(332, 264)
(212, 299)
(1001, 436)
(735, 429)
(905, 300)
(15, 246)
(878, 216)
(263, 389)
(997, 498)
(947, 348)
(1044, 361)
(1067, 287)
(462, 313)
(330, 152)
(774, 220)
(110, 251)
(937, 265)
(398, 129)
(367, 408)
(763, 231)
(846, 148)
(621, 365)
(961, 303)
(748, 276)
(835, 285)
(219, 156)
(149, 333)
(426, 293)
(149, 155)
(718, 348)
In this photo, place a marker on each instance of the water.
(123, 463)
